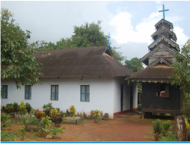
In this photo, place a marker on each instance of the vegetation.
(168, 137)
(22, 108)
(47, 122)
(96, 113)
(8, 136)
(106, 115)
(166, 125)
(139, 107)
(134, 64)
(17, 55)
(54, 112)
(23, 132)
(181, 76)
(157, 127)
(39, 114)
(28, 107)
(36, 122)
(72, 110)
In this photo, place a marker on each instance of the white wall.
(101, 94)
(117, 95)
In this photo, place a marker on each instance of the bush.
(96, 113)
(36, 122)
(48, 106)
(157, 127)
(4, 117)
(106, 115)
(10, 109)
(3, 109)
(72, 110)
(139, 107)
(54, 112)
(166, 125)
(22, 108)
(47, 122)
(84, 115)
(67, 113)
(28, 107)
(15, 105)
(39, 114)
(168, 137)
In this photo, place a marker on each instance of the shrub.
(54, 112)
(10, 109)
(47, 122)
(39, 114)
(4, 117)
(48, 106)
(157, 127)
(22, 108)
(168, 137)
(15, 105)
(72, 110)
(57, 119)
(3, 109)
(84, 115)
(58, 109)
(166, 125)
(7, 105)
(67, 113)
(96, 113)
(55, 130)
(28, 107)
(106, 115)
(139, 107)
(36, 122)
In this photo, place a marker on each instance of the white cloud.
(158, 2)
(181, 37)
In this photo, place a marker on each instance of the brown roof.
(156, 72)
(77, 62)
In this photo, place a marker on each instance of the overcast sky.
(130, 23)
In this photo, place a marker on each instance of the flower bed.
(34, 128)
(72, 120)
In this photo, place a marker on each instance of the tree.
(181, 76)
(134, 64)
(17, 55)
(117, 55)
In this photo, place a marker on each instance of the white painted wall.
(117, 95)
(101, 94)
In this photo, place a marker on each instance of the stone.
(56, 137)
(180, 129)
(49, 136)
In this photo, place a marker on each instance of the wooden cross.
(108, 40)
(164, 11)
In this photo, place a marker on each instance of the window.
(54, 92)
(28, 92)
(85, 93)
(4, 91)
(162, 90)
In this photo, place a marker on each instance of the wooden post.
(143, 114)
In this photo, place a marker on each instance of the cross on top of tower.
(108, 40)
(164, 11)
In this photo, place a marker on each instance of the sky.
(130, 23)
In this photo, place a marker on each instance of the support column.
(143, 114)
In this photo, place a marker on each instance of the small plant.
(54, 112)
(106, 115)
(55, 130)
(23, 132)
(57, 119)
(67, 113)
(157, 127)
(166, 125)
(32, 112)
(96, 113)
(168, 137)
(28, 107)
(84, 115)
(39, 114)
(10, 109)
(16, 106)
(72, 110)
(3, 109)
(35, 122)
(22, 108)
(4, 117)
(101, 114)
(48, 106)
(47, 122)
(139, 107)
(99, 120)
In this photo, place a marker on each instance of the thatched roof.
(81, 62)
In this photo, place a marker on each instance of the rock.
(56, 137)
(180, 129)
(49, 136)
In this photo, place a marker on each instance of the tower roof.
(158, 24)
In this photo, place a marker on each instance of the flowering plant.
(22, 108)
(39, 114)
(72, 110)
(54, 112)
(96, 113)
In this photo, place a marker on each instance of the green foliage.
(117, 55)
(23, 132)
(99, 120)
(53, 131)
(8, 136)
(47, 122)
(134, 64)
(36, 122)
(28, 107)
(72, 110)
(168, 137)
(106, 115)
(48, 106)
(67, 113)
(157, 127)
(22, 108)
(166, 125)
(84, 115)
(17, 55)
(139, 107)
(4, 117)
(181, 76)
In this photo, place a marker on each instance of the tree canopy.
(181, 68)
(17, 55)
(134, 64)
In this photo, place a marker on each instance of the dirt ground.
(123, 128)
